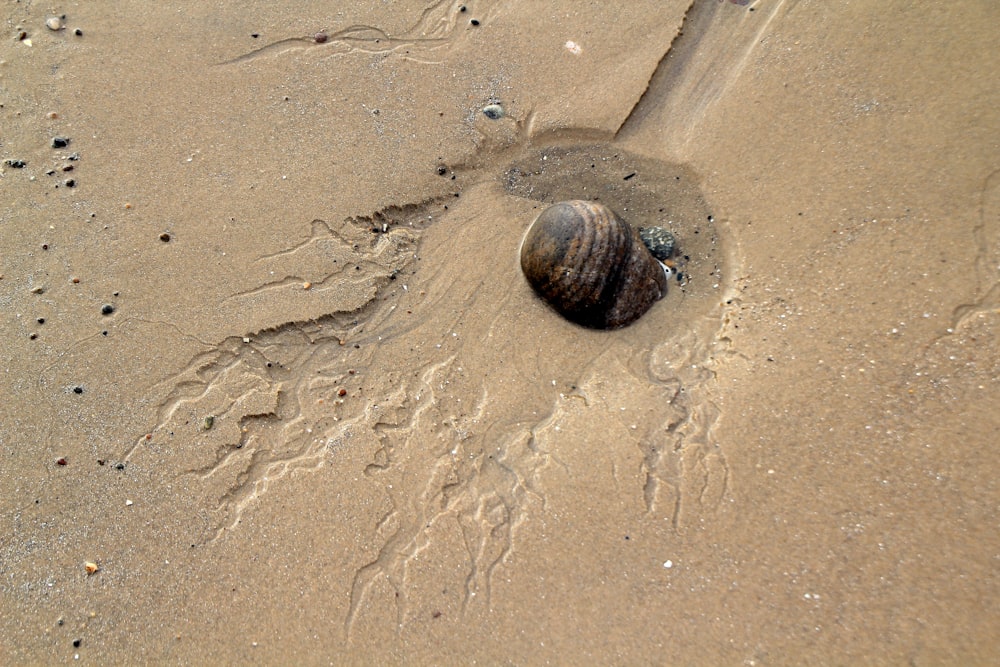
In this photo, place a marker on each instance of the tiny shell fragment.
(91, 567)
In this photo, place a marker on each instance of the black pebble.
(107, 309)
(77, 642)
(16, 164)
(79, 33)
(165, 237)
(70, 183)
(474, 21)
(60, 142)
(442, 170)
(77, 390)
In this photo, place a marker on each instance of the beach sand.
(275, 390)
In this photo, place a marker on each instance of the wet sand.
(271, 368)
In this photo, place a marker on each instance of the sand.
(328, 421)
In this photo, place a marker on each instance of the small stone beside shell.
(590, 265)
(659, 240)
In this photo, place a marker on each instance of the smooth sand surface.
(328, 421)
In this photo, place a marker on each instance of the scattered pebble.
(16, 164)
(128, 503)
(493, 111)
(574, 48)
(165, 237)
(77, 390)
(208, 423)
(107, 309)
(54, 23)
(659, 241)
(320, 37)
(91, 567)
(61, 461)
(60, 142)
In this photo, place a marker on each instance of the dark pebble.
(659, 241)
(107, 309)
(165, 237)
(474, 22)
(78, 32)
(17, 164)
(442, 170)
(77, 390)
(70, 183)
(41, 320)
(77, 642)
(493, 111)
(61, 461)
(119, 466)
(320, 37)
(60, 142)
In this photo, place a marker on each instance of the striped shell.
(590, 265)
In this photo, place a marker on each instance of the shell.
(590, 265)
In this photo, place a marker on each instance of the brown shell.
(590, 265)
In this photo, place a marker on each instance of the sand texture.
(275, 389)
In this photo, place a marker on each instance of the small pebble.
(60, 142)
(659, 241)
(493, 111)
(54, 23)
(165, 237)
(61, 461)
(320, 37)
(107, 309)
(16, 164)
